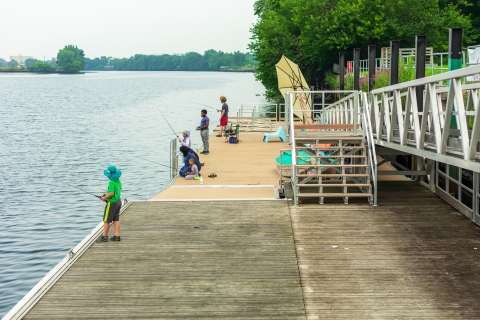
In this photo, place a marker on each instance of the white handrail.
(294, 155)
(407, 128)
(371, 145)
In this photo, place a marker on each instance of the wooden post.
(341, 62)
(372, 67)
(420, 58)
(394, 54)
(356, 68)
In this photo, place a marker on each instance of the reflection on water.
(68, 128)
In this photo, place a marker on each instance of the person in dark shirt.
(204, 131)
(224, 115)
(187, 155)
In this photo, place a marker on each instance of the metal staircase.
(340, 161)
(436, 128)
(338, 168)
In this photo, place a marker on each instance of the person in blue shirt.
(204, 132)
(187, 155)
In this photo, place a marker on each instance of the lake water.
(57, 128)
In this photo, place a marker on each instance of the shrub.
(331, 81)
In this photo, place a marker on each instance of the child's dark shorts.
(112, 211)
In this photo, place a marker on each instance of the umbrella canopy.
(290, 78)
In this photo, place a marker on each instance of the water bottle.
(201, 179)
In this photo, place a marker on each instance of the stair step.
(336, 156)
(332, 165)
(330, 148)
(327, 137)
(333, 195)
(334, 185)
(330, 175)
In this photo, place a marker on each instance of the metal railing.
(354, 109)
(173, 159)
(289, 102)
(372, 154)
(398, 123)
(346, 110)
(435, 63)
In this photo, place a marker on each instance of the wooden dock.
(239, 263)
(412, 257)
(245, 170)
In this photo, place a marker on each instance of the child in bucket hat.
(114, 203)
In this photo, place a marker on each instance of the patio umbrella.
(290, 78)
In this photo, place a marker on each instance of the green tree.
(471, 9)
(311, 32)
(40, 66)
(211, 60)
(71, 58)
(30, 62)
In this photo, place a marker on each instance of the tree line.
(70, 59)
(312, 32)
(211, 60)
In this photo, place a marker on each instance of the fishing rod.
(99, 197)
(167, 122)
(206, 106)
(156, 163)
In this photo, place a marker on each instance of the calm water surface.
(56, 128)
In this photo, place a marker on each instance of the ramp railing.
(423, 126)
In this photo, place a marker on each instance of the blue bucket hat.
(112, 173)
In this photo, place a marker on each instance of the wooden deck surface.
(249, 165)
(250, 162)
(239, 264)
(412, 257)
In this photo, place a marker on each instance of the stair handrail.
(293, 179)
(372, 154)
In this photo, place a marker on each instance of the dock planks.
(239, 264)
(412, 257)
(251, 162)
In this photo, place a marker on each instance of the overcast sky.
(122, 28)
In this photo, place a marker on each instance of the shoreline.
(36, 71)
(89, 71)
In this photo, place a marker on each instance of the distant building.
(20, 59)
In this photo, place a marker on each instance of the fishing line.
(156, 163)
(167, 122)
(206, 106)
(99, 197)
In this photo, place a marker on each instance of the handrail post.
(281, 169)
(294, 155)
(173, 159)
(355, 113)
(287, 116)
